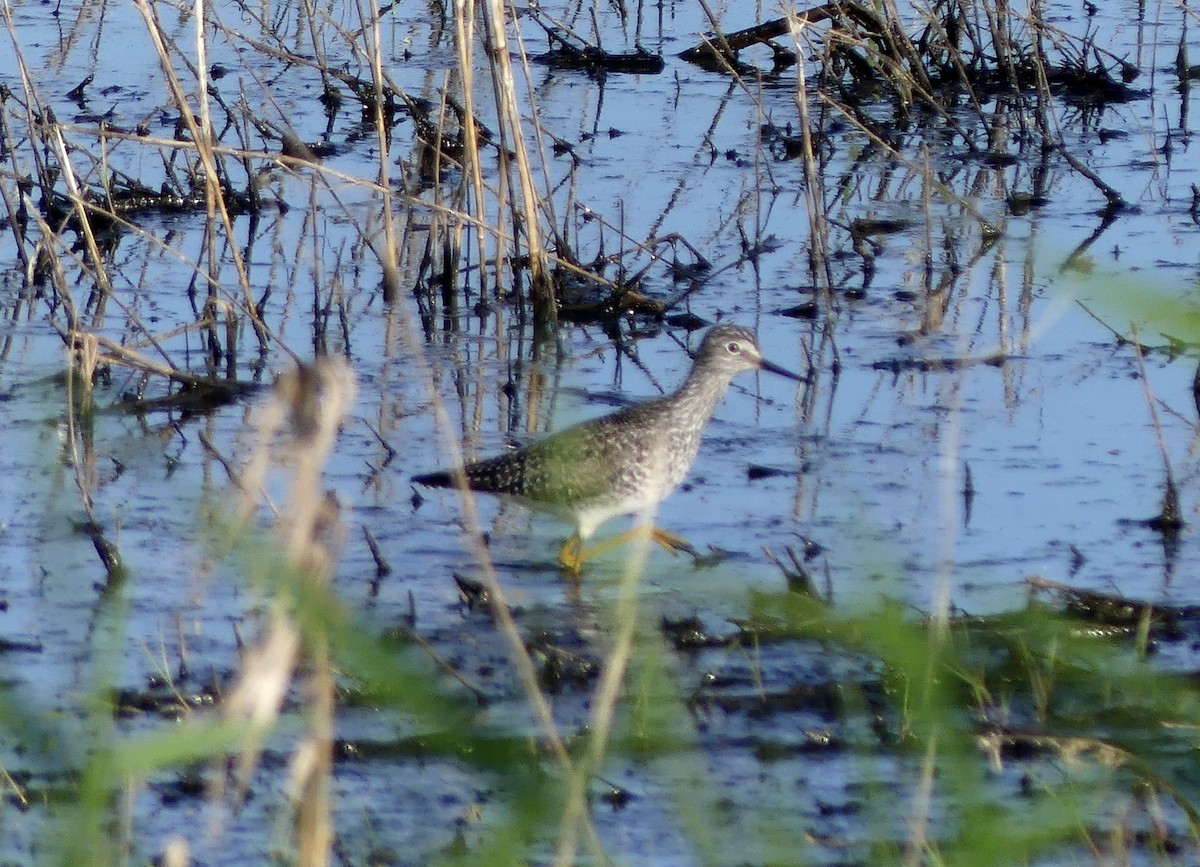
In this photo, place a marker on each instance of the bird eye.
(733, 347)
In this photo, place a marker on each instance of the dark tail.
(440, 479)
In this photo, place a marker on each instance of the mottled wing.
(597, 460)
(570, 467)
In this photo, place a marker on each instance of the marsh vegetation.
(260, 265)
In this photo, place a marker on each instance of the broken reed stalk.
(934, 301)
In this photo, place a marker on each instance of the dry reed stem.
(312, 402)
(1170, 509)
(75, 195)
(257, 696)
(389, 256)
(918, 843)
(478, 222)
(10, 204)
(813, 188)
(207, 153)
(907, 51)
(326, 172)
(16, 792)
(121, 355)
(938, 628)
(464, 43)
(176, 853)
(546, 198)
(528, 222)
(54, 132)
(947, 194)
(608, 691)
(82, 357)
(518, 653)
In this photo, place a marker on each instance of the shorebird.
(624, 463)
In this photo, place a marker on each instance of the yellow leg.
(572, 555)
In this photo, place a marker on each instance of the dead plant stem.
(526, 223)
(813, 188)
(464, 29)
(517, 651)
(607, 695)
(215, 196)
(389, 256)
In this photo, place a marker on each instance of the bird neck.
(703, 388)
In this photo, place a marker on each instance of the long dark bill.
(782, 371)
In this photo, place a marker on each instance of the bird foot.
(673, 543)
(573, 555)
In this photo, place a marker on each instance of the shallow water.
(1063, 458)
